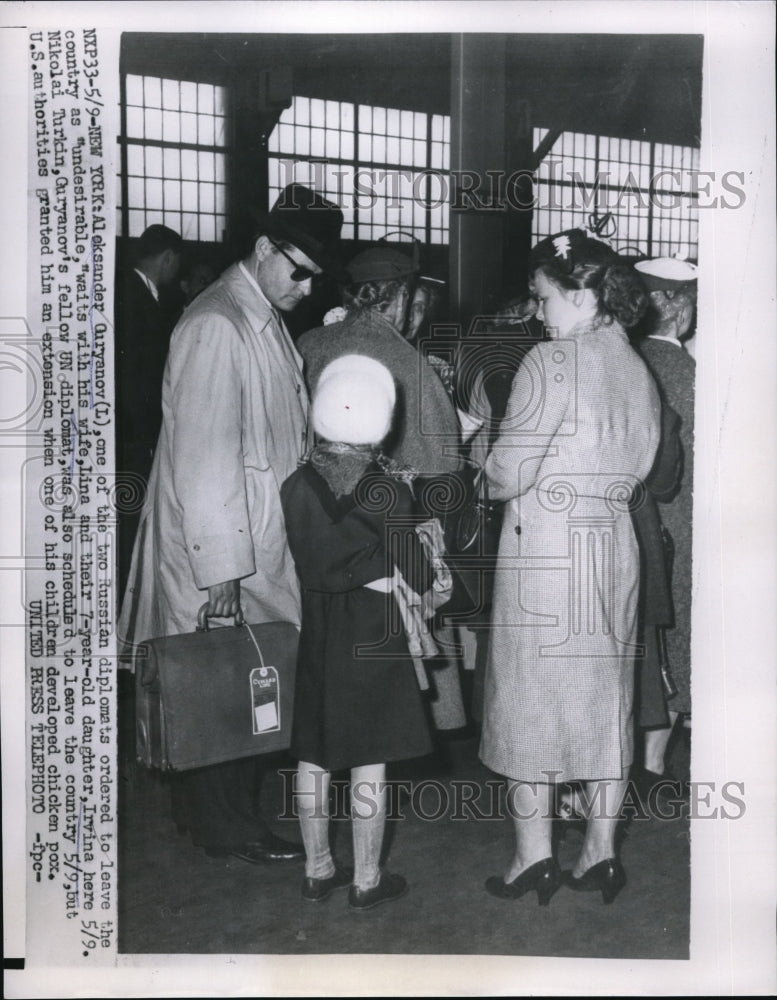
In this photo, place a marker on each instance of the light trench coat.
(235, 418)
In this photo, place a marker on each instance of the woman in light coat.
(580, 433)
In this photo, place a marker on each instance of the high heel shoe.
(608, 877)
(544, 876)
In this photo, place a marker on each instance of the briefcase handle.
(202, 617)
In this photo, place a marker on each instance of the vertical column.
(477, 162)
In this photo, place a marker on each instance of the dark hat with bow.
(381, 264)
(306, 220)
(571, 247)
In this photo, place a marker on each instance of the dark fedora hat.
(306, 220)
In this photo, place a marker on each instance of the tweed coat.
(581, 429)
(674, 371)
(234, 427)
(425, 435)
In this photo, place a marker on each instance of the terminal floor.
(176, 900)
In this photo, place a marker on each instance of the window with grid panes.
(386, 168)
(174, 158)
(655, 213)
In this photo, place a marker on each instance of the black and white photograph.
(389, 439)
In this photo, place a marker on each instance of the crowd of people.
(268, 456)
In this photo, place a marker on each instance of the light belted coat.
(581, 431)
(234, 408)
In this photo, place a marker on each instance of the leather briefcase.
(215, 695)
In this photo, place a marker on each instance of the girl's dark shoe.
(316, 890)
(544, 876)
(390, 887)
(608, 877)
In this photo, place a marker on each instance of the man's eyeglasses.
(299, 273)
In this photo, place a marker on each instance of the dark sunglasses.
(299, 272)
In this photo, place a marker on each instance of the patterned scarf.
(343, 465)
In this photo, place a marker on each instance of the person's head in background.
(672, 284)
(195, 278)
(158, 255)
(382, 280)
(423, 308)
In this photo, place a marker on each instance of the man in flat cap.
(235, 424)
(671, 283)
(425, 436)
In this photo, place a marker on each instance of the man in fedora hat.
(235, 424)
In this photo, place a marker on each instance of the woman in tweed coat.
(580, 433)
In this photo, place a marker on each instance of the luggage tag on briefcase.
(265, 695)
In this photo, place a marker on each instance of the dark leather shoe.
(608, 877)
(544, 876)
(269, 850)
(316, 890)
(390, 887)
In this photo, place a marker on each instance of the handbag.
(215, 695)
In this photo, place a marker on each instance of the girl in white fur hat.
(357, 702)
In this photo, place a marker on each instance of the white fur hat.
(354, 400)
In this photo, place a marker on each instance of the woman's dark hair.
(574, 261)
(375, 294)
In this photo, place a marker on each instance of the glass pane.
(301, 106)
(332, 114)
(137, 223)
(189, 226)
(172, 191)
(286, 138)
(220, 100)
(332, 143)
(206, 166)
(188, 164)
(173, 220)
(302, 140)
(221, 168)
(205, 130)
(205, 103)
(154, 193)
(347, 117)
(188, 127)
(379, 120)
(317, 112)
(406, 123)
(317, 142)
(188, 96)
(221, 227)
(346, 145)
(135, 196)
(172, 163)
(153, 124)
(419, 154)
(437, 127)
(152, 92)
(221, 131)
(419, 125)
(379, 149)
(171, 126)
(207, 228)
(170, 99)
(135, 122)
(153, 161)
(392, 121)
(392, 150)
(365, 118)
(135, 160)
(220, 191)
(406, 151)
(189, 196)
(134, 89)
(207, 198)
